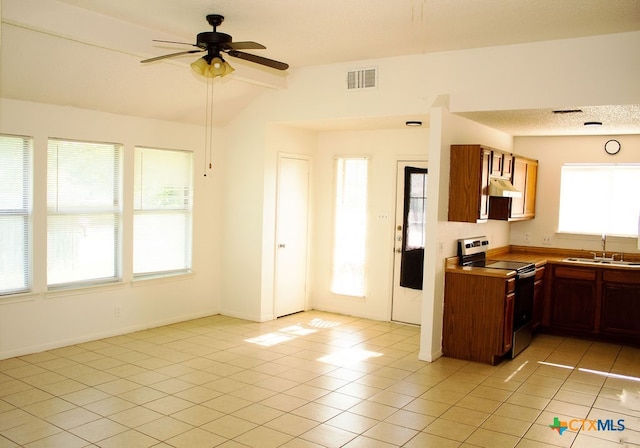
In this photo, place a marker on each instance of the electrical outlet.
(117, 311)
(526, 237)
(546, 239)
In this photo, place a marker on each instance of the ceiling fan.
(215, 43)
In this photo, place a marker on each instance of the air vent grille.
(363, 78)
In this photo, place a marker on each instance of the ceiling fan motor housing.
(211, 38)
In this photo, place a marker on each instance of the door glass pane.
(415, 202)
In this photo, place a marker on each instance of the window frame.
(116, 209)
(187, 211)
(26, 211)
(603, 169)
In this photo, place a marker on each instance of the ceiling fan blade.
(258, 59)
(173, 42)
(157, 58)
(248, 45)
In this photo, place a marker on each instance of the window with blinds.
(15, 214)
(350, 231)
(162, 221)
(83, 212)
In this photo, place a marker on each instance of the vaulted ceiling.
(86, 53)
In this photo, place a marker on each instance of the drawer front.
(621, 276)
(510, 285)
(576, 273)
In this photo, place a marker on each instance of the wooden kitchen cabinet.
(469, 174)
(602, 303)
(620, 314)
(478, 317)
(524, 178)
(574, 299)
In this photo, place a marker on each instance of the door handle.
(281, 246)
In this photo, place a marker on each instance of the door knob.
(281, 246)
(399, 251)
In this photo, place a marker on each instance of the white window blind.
(597, 199)
(350, 232)
(83, 212)
(163, 200)
(15, 214)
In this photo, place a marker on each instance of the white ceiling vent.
(362, 78)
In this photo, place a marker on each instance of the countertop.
(540, 256)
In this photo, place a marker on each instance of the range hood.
(503, 188)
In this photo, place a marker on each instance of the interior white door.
(409, 236)
(292, 221)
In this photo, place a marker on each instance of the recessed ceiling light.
(593, 123)
(413, 123)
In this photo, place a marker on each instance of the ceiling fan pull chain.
(208, 129)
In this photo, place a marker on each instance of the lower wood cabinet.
(595, 302)
(573, 300)
(478, 317)
(620, 313)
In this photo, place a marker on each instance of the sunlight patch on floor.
(348, 357)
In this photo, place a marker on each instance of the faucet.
(604, 245)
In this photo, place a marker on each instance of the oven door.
(523, 314)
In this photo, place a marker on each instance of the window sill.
(161, 278)
(75, 290)
(19, 297)
(591, 236)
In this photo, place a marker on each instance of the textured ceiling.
(615, 119)
(101, 39)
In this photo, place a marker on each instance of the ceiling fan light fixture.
(210, 69)
(220, 67)
(200, 66)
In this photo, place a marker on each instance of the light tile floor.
(314, 380)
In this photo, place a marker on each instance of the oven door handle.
(523, 275)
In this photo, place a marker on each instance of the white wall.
(448, 129)
(552, 153)
(41, 320)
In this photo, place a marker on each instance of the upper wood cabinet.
(524, 177)
(469, 174)
(472, 167)
(501, 164)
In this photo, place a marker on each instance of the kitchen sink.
(603, 261)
